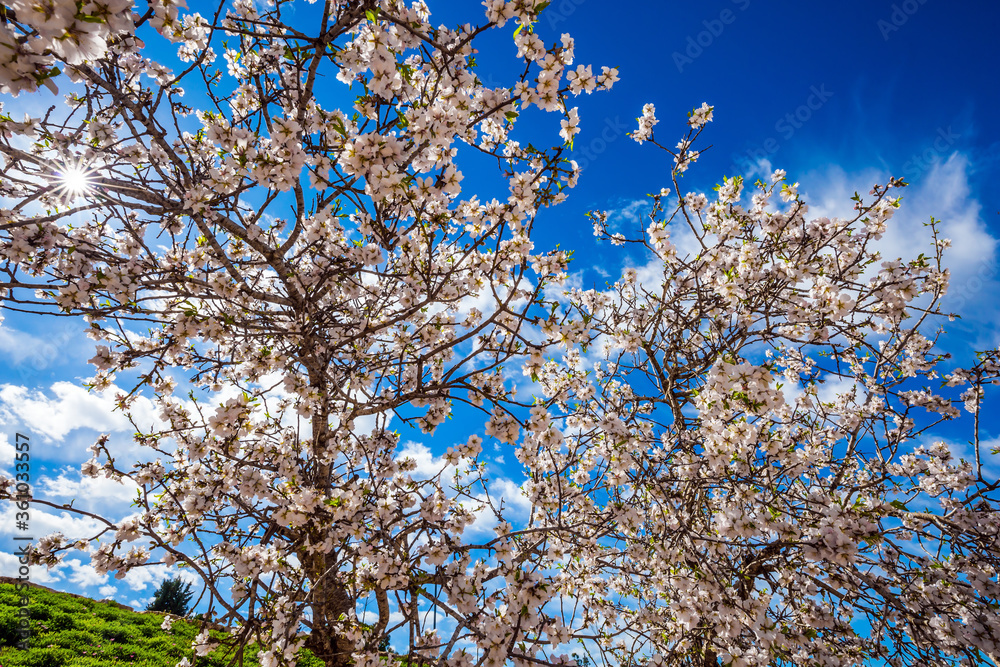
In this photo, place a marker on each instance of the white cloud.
(37, 574)
(69, 575)
(964, 450)
(102, 495)
(6, 453)
(72, 407)
(761, 169)
(517, 506)
(945, 193)
(428, 465)
(84, 574)
(629, 216)
(140, 578)
(371, 617)
(45, 523)
(107, 591)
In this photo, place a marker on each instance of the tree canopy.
(260, 214)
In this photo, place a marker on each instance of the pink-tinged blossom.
(646, 122)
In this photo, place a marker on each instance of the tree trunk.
(330, 599)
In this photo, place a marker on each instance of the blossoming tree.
(763, 518)
(287, 237)
(286, 221)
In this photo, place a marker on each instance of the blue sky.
(840, 95)
(888, 95)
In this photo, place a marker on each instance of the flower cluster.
(35, 33)
(646, 122)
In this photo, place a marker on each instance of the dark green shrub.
(168, 646)
(49, 657)
(60, 620)
(117, 634)
(8, 626)
(108, 613)
(73, 639)
(9, 597)
(75, 632)
(307, 659)
(39, 611)
(122, 652)
(147, 630)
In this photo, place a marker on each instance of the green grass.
(68, 631)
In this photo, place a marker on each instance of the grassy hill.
(73, 631)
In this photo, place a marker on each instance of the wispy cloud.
(26, 352)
